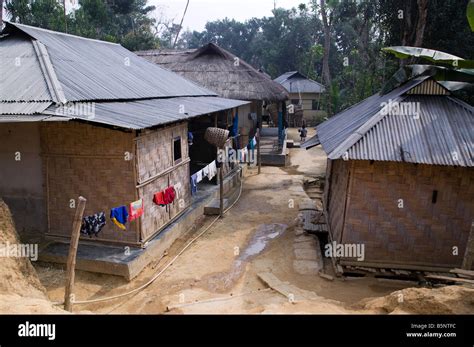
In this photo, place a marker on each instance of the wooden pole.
(71, 260)
(221, 191)
(259, 157)
(469, 253)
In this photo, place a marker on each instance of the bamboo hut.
(305, 96)
(227, 75)
(400, 177)
(86, 117)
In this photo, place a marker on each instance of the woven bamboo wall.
(156, 171)
(422, 232)
(155, 150)
(82, 159)
(337, 196)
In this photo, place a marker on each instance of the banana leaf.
(432, 55)
(439, 73)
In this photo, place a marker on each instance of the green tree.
(123, 21)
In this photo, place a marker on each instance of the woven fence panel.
(154, 216)
(155, 156)
(155, 150)
(180, 175)
(421, 231)
(337, 196)
(78, 164)
(83, 139)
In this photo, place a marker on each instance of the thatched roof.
(220, 71)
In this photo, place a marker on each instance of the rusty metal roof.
(439, 132)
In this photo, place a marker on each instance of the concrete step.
(213, 209)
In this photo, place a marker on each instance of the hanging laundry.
(92, 225)
(235, 125)
(252, 143)
(212, 170)
(205, 171)
(199, 176)
(136, 209)
(159, 198)
(241, 155)
(178, 188)
(169, 195)
(193, 184)
(119, 216)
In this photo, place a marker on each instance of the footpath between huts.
(227, 269)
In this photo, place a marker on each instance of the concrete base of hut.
(271, 153)
(129, 262)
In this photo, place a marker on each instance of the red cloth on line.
(170, 195)
(159, 199)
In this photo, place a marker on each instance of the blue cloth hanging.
(193, 184)
(235, 125)
(119, 215)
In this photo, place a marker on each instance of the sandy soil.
(20, 288)
(218, 273)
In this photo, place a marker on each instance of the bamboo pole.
(221, 191)
(71, 260)
(259, 157)
(469, 253)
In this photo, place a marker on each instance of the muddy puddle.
(224, 281)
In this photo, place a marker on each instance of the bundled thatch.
(220, 71)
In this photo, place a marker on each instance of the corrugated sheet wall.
(428, 87)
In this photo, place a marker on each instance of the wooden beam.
(468, 260)
(468, 273)
(294, 294)
(451, 279)
(71, 261)
(402, 266)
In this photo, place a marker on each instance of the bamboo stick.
(71, 261)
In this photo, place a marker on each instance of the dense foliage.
(337, 43)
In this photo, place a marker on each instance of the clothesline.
(120, 215)
(208, 171)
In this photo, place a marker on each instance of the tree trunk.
(420, 26)
(1, 14)
(327, 44)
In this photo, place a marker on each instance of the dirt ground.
(20, 288)
(218, 272)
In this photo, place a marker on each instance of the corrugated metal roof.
(295, 82)
(23, 107)
(21, 77)
(144, 113)
(93, 70)
(336, 129)
(35, 118)
(442, 133)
